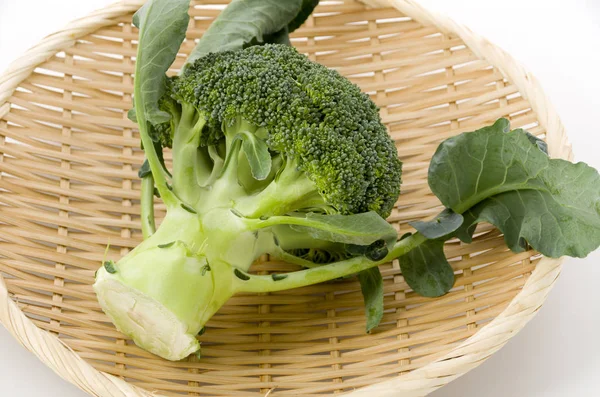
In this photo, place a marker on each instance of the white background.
(558, 353)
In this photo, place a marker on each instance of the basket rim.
(419, 382)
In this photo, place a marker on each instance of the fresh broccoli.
(272, 154)
(275, 154)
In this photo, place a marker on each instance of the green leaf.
(536, 217)
(375, 251)
(241, 275)
(543, 146)
(371, 285)
(507, 179)
(358, 229)
(426, 269)
(443, 224)
(243, 21)
(131, 115)
(283, 36)
(257, 153)
(144, 170)
(280, 37)
(162, 27)
(467, 229)
(278, 277)
(188, 208)
(110, 267)
(308, 6)
(167, 245)
(205, 268)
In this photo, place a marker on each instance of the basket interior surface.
(69, 187)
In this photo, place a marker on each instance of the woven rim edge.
(420, 382)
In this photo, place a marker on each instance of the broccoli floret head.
(310, 113)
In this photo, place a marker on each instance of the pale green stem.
(158, 171)
(147, 206)
(278, 253)
(229, 170)
(257, 224)
(185, 152)
(280, 197)
(323, 273)
(218, 163)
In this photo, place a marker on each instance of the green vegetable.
(371, 285)
(275, 154)
(272, 154)
(426, 269)
(445, 223)
(505, 178)
(110, 267)
(307, 7)
(360, 229)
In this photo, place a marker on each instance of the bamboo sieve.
(68, 178)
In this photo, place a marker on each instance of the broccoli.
(274, 154)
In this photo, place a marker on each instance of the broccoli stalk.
(147, 206)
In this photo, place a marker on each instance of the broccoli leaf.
(308, 6)
(257, 153)
(244, 21)
(538, 218)
(375, 251)
(426, 269)
(279, 37)
(110, 267)
(131, 115)
(371, 285)
(444, 223)
(162, 26)
(144, 170)
(543, 146)
(283, 36)
(507, 179)
(358, 229)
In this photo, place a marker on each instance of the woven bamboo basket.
(68, 162)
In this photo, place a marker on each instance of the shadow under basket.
(69, 187)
